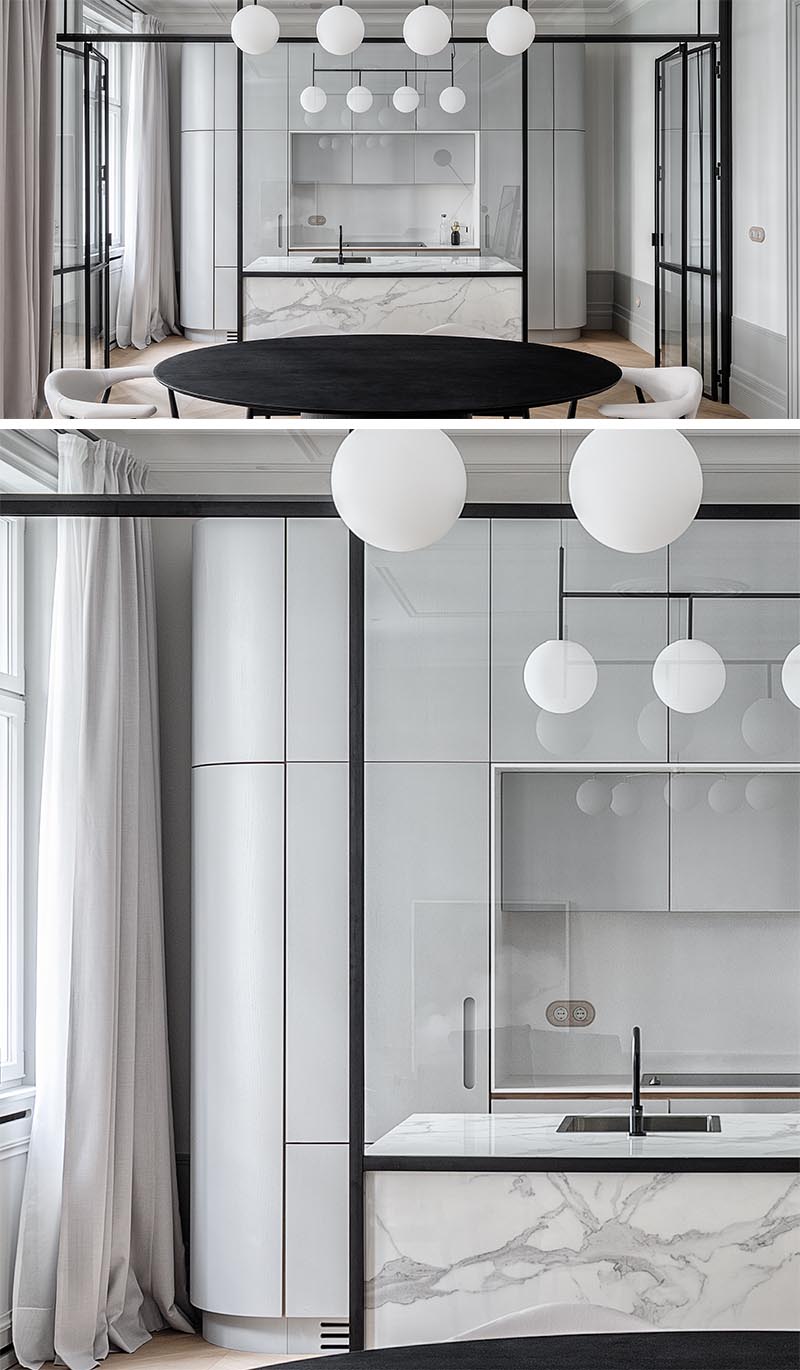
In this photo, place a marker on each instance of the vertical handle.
(486, 230)
(468, 1043)
(280, 230)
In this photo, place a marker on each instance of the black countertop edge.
(662, 1165)
(380, 275)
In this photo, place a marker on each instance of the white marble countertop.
(384, 264)
(457, 1136)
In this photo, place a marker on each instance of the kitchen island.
(388, 293)
(471, 1217)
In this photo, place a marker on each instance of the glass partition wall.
(536, 884)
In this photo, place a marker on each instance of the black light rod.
(623, 38)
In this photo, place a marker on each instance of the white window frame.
(12, 711)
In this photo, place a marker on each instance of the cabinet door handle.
(468, 1043)
(486, 230)
(280, 230)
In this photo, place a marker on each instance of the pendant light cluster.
(682, 793)
(427, 30)
(637, 494)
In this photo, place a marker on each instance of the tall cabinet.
(270, 933)
(556, 190)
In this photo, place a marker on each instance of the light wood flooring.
(177, 1351)
(608, 345)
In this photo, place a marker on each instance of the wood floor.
(176, 1351)
(608, 345)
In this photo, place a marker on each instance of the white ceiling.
(203, 16)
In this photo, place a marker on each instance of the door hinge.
(103, 81)
(103, 174)
(718, 70)
(718, 171)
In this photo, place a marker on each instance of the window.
(94, 22)
(12, 717)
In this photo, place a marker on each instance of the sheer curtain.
(27, 198)
(100, 1261)
(147, 308)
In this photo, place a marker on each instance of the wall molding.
(600, 299)
(793, 185)
(635, 324)
(759, 371)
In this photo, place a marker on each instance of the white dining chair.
(557, 1320)
(456, 330)
(676, 392)
(319, 330)
(78, 393)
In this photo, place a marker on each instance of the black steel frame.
(222, 506)
(719, 262)
(548, 38)
(95, 191)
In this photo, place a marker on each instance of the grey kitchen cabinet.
(426, 937)
(427, 649)
(335, 81)
(383, 117)
(431, 81)
(501, 90)
(541, 230)
(569, 232)
(265, 195)
(751, 1104)
(317, 1225)
(382, 159)
(197, 247)
(224, 198)
(322, 158)
(197, 86)
(265, 93)
(225, 86)
(557, 190)
(317, 564)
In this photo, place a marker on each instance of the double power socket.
(564, 1013)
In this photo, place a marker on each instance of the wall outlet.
(570, 1013)
(758, 235)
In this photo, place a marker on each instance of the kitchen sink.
(654, 1123)
(348, 261)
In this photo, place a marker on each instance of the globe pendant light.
(313, 99)
(560, 676)
(625, 799)
(405, 99)
(593, 797)
(340, 30)
(359, 99)
(426, 30)
(790, 676)
(689, 676)
(511, 30)
(254, 29)
(635, 491)
(398, 491)
(563, 735)
(764, 727)
(452, 99)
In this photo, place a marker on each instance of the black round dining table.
(392, 376)
(600, 1351)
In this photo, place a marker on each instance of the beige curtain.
(100, 1261)
(27, 189)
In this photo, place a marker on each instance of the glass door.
(687, 235)
(80, 293)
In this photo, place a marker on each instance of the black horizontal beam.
(271, 506)
(623, 1165)
(623, 38)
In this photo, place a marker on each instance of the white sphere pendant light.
(359, 99)
(564, 735)
(340, 30)
(593, 797)
(790, 676)
(313, 99)
(635, 491)
(689, 676)
(426, 30)
(398, 491)
(405, 99)
(452, 99)
(764, 727)
(510, 30)
(560, 676)
(255, 30)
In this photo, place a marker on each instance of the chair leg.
(106, 396)
(640, 395)
(572, 412)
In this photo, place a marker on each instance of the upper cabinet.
(265, 89)
(431, 81)
(427, 649)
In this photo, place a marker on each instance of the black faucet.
(636, 1127)
(341, 253)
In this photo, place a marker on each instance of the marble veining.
(447, 1252)
(523, 1134)
(382, 304)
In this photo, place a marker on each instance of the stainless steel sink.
(348, 261)
(654, 1123)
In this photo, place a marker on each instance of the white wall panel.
(197, 240)
(316, 1231)
(317, 670)
(197, 86)
(224, 86)
(317, 932)
(238, 680)
(569, 183)
(224, 199)
(237, 1069)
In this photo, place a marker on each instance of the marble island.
(392, 293)
(471, 1217)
